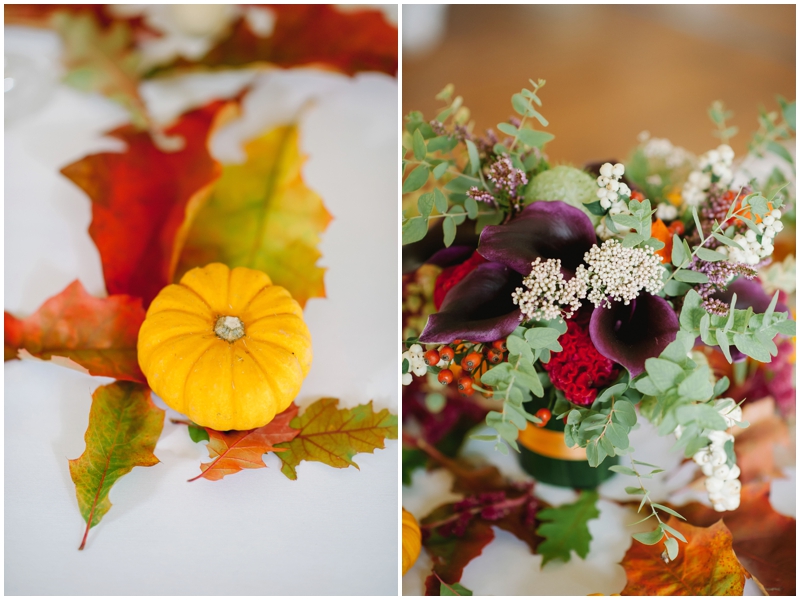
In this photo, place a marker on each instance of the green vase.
(545, 456)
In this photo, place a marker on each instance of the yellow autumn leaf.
(261, 215)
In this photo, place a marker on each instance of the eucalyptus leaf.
(440, 170)
(533, 138)
(650, 538)
(710, 255)
(449, 228)
(425, 204)
(414, 230)
(507, 128)
(691, 276)
(420, 150)
(416, 179)
(472, 208)
(474, 161)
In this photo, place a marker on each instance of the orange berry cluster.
(472, 358)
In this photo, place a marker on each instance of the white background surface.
(330, 532)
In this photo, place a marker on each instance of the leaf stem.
(455, 593)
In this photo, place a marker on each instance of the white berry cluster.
(715, 166)
(547, 295)
(662, 148)
(666, 212)
(614, 196)
(754, 251)
(722, 481)
(416, 363)
(619, 273)
(611, 188)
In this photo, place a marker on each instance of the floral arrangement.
(208, 266)
(558, 307)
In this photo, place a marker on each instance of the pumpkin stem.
(229, 329)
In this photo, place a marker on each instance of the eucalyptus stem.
(717, 229)
(516, 137)
(491, 212)
(451, 171)
(646, 493)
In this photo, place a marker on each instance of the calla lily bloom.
(479, 308)
(630, 334)
(542, 230)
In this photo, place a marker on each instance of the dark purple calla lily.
(478, 308)
(453, 255)
(630, 334)
(542, 230)
(749, 293)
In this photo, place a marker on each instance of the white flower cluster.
(548, 292)
(613, 195)
(620, 273)
(416, 363)
(722, 481)
(754, 251)
(714, 166)
(674, 156)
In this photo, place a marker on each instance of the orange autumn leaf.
(756, 445)
(143, 200)
(99, 334)
(233, 451)
(305, 35)
(662, 234)
(261, 215)
(764, 540)
(705, 566)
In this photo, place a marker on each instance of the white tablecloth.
(330, 532)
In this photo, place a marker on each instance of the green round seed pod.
(568, 184)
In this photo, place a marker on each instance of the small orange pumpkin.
(412, 540)
(225, 347)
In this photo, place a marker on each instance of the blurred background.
(612, 71)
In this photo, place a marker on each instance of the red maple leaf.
(307, 34)
(233, 451)
(143, 200)
(99, 334)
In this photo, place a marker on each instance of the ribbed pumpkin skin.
(225, 385)
(412, 540)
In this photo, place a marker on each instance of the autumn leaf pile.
(165, 205)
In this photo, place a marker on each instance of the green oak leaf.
(565, 528)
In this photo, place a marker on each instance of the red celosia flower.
(580, 371)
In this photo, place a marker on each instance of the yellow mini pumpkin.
(225, 347)
(412, 540)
